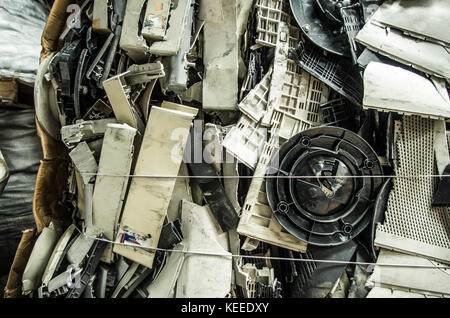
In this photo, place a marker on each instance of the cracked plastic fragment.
(175, 31)
(84, 130)
(155, 20)
(131, 40)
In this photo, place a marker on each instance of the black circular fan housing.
(321, 22)
(331, 200)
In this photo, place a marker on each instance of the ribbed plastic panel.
(409, 213)
(270, 14)
(257, 220)
(294, 37)
(245, 140)
(254, 103)
(302, 94)
(336, 72)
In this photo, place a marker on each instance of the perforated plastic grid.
(409, 212)
(270, 14)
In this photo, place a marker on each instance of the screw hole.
(283, 207)
(305, 141)
(347, 229)
(369, 164)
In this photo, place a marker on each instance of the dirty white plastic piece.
(59, 281)
(246, 140)
(254, 103)
(248, 275)
(428, 57)
(109, 191)
(84, 161)
(86, 165)
(143, 73)
(193, 93)
(155, 19)
(302, 94)
(231, 184)
(257, 219)
(250, 244)
(130, 40)
(412, 225)
(290, 125)
(388, 88)
(178, 107)
(124, 110)
(164, 285)
(175, 31)
(79, 249)
(280, 63)
(211, 11)
(57, 253)
(410, 16)
(220, 58)
(42, 250)
(100, 18)
(269, 16)
(203, 275)
(48, 117)
(84, 130)
(179, 65)
(433, 281)
(148, 198)
(243, 11)
(181, 191)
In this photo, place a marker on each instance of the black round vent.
(325, 190)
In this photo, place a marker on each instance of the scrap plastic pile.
(227, 148)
